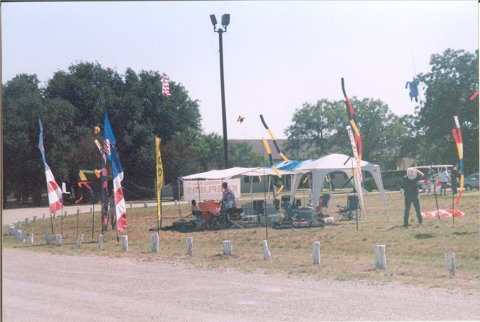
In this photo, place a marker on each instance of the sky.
(278, 55)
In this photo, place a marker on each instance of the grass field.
(415, 255)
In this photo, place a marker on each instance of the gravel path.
(46, 287)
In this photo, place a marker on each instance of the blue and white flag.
(117, 174)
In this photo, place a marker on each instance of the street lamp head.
(214, 21)
(225, 20)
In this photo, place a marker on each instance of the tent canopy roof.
(291, 165)
(233, 172)
(334, 162)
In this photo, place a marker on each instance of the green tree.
(382, 132)
(72, 103)
(22, 161)
(320, 129)
(241, 154)
(209, 149)
(23, 105)
(452, 80)
(137, 111)
(180, 158)
(317, 130)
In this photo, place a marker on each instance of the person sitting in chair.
(194, 206)
(322, 204)
(321, 209)
(195, 210)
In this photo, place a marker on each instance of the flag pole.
(355, 178)
(62, 213)
(453, 202)
(116, 225)
(104, 184)
(51, 223)
(435, 193)
(265, 191)
(93, 216)
(78, 215)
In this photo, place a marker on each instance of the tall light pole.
(220, 31)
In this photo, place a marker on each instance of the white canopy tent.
(330, 163)
(234, 172)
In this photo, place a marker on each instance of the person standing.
(444, 178)
(410, 192)
(228, 200)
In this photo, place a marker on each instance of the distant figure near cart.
(444, 179)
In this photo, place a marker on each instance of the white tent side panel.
(331, 163)
(209, 189)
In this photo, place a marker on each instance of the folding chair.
(347, 213)
(321, 209)
(235, 217)
(211, 213)
(200, 224)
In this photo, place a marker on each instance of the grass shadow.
(461, 233)
(423, 236)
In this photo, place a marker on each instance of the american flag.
(117, 174)
(165, 85)
(54, 192)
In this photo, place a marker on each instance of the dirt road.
(47, 287)
(10, 216)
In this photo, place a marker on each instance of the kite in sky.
(413, 86)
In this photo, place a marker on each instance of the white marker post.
(316, 252)
(189, 245)
(266, 251)
(125, 242)
(380, 257)
(227, 247)
(155, 243)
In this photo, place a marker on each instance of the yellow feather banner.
(158, 161)
(267, 146)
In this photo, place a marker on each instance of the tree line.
(318, 129)
(73, 102)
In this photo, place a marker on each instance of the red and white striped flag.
(54, 192)
(165, 85)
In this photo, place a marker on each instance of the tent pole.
(355, 180)
(251, 188)
(198, 185)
